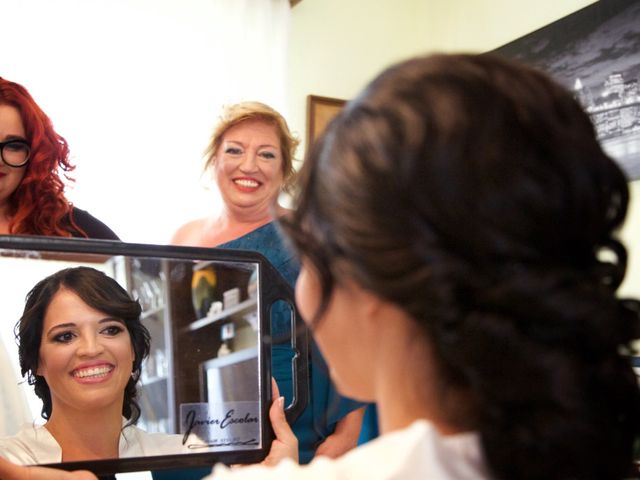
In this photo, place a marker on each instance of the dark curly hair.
(100, 292)
(471, 191)
(39, 206)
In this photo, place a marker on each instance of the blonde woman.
(250, 157)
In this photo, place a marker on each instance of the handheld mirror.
(204, 390)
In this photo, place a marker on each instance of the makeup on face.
(248, 166)
(83, 349)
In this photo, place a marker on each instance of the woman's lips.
(93, 374)
(246, 184)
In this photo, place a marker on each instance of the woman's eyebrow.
(238, 142)
(101, 321)
(112, 319)
(11, 137)
(61, 325)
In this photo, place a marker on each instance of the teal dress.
(326, 406)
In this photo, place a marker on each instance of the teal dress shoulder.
(326, 406)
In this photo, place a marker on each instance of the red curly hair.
(38, 206)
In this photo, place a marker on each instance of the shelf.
(203, 322)
(232, 358)
(151, 380)
(203, 264)
(151, 312)
(238, 264)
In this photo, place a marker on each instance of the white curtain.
(135, 86)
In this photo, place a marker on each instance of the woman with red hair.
(32, 200)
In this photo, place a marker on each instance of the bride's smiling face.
(86, 356)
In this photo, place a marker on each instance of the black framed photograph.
(595, 52)
(320, 111)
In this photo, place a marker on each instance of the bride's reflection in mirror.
(81, 346)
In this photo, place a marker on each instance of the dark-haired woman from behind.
(32, 158)
(81, 345)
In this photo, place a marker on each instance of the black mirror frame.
(273, 288)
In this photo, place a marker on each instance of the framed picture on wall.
(595, 53)
(320, 111)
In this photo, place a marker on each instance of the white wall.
(337, 46)
(480, 25)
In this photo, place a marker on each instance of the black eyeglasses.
(15, 153)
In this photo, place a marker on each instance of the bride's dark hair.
(472, 192)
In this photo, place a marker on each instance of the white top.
(416, 452)
(34, 444)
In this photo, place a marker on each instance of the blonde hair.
(237, 113)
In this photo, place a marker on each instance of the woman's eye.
(112, 330)
(16, 147)
(268, 155)
(64, 337)
(233, 151)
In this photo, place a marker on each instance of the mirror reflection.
(127, 356)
